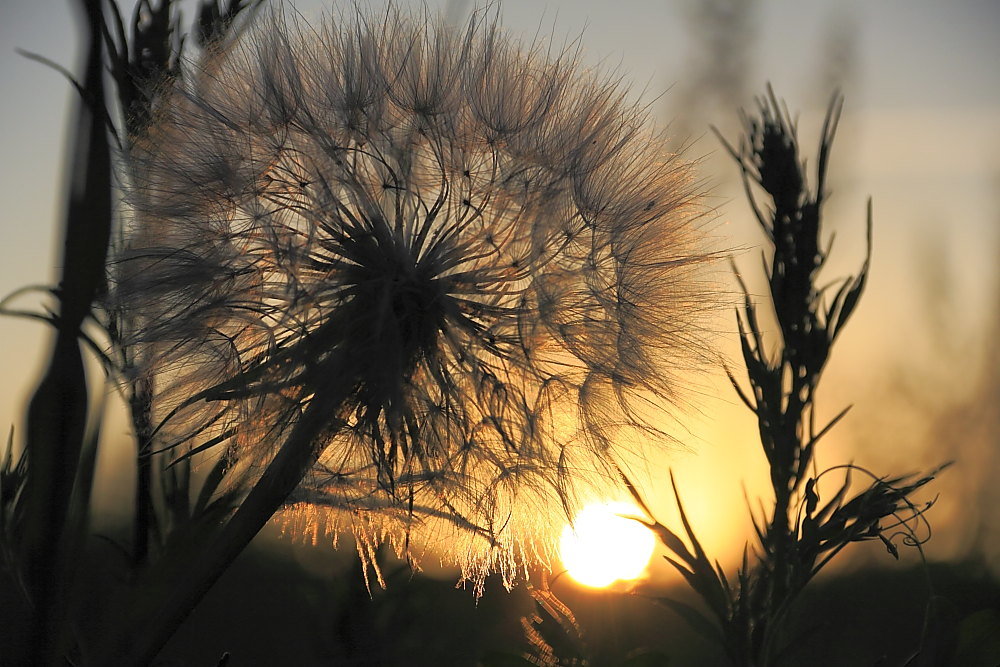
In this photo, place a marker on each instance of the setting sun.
(603, 546)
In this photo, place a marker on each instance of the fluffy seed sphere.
(470, 251)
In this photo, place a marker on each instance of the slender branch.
(192, 573)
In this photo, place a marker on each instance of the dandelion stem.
(191, 577)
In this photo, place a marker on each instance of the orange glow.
(603, 546)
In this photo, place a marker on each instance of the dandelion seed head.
(476, 245)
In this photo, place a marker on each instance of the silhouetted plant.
(801, 534)
(45, 495)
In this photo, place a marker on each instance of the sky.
(920, 135)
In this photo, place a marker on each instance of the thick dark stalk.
(184, 581)
(57, 418)
(57, 414)
(140, 405)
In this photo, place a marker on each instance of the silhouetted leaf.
(697, 620)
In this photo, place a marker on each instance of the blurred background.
(920, 363)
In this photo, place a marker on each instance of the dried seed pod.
(479, 248)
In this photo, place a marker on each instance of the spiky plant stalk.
(799, 536)
(57, 444)
(45, 497)
(784, 384)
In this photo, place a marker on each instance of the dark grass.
(269, 610)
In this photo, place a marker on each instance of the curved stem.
(184, 581)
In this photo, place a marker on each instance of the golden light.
(602, 546)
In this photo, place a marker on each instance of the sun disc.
(602, 546)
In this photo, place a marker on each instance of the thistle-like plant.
(423, 276)
(800, 534)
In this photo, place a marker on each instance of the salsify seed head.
(474, 251)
